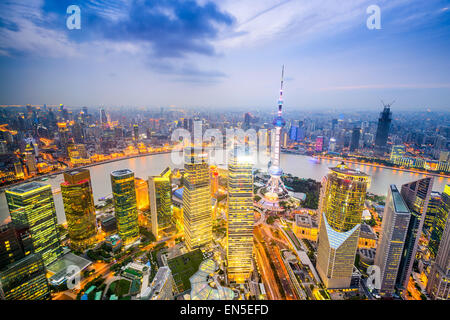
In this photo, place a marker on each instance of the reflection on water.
(297, 165)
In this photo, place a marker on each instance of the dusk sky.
(226, 54)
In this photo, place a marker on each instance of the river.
(297, 165)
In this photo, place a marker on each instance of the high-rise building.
(392, 239)
(354, 142)
(438, 286)
(432, 211)
(197, 210)
(341, 205)
(416, 195)
(160, 195)
(31, 205)
(440, 221)
(79, 208)
(319, 144)
(142, 194)
(384, 125)
(25, 280)
(124, 196)
(240, 216)
(15, 244)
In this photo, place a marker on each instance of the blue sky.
(226, 53)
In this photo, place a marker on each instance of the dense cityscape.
(163, 151)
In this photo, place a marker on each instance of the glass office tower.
(197, 210)
(124, 197)
(31, 205)
(25, 280)
(160, 195)
(79, 208)
(416, 195)
(341, 206)
(438, 286)
(240, 216)
(440, 221)
(392, 239)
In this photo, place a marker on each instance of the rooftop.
(28, 187)
(121, 173)
(397, 199)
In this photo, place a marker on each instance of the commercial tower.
(124, 196)
(25, 280)
(341, 206)
(392, 239)
(31, 205)
(416, 195)
(79, 208)
(384, 125)
(160, 195)
(438, 286)
(275, 186)
(440, 221)
(197, 211)
(240, 214)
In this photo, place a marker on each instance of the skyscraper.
(25, 280)
(240, 216)
(416, 195)
(438, 286)
(31, 205)
(124, 196)
(341, 205)
(197, 211)
(392, 239)
(354, 142)
(440, 221)
(160, 195)
(15, 244)
(79, 208)
(384, 125)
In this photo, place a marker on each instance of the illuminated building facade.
(240, 216)
(160, 194)
(15, 243)
(197, 213)
(214, 181)
(438, 286)
(142, 198)
(124, 196)
(416, 195)
(25, 280)
(392, 239)
(432, 211)
(79, 208)
(397, 152)
(31, 205)
(440, 221)
(341, 206)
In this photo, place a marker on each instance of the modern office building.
(197, 210)
(438, 286)
(439, 222)
(354, 142)
(397, 152)
(432, 211)
(15, 244)
(142, 201)
(392, 239)
(31, 205)
(124, 197)
(25, 280)
(79, 208)
(384, 125)
(240, 216)
(416, 195)
(160, 195)
(341, 205)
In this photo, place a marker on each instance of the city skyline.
(136, 54)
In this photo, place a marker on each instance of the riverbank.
(99, 163)
(434, 174)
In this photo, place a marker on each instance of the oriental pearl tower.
(275, 188)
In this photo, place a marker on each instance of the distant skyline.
(226, 54)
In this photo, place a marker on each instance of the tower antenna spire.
(280, 100)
